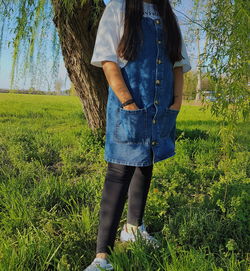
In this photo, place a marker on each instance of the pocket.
(168, 122)
(131, 126)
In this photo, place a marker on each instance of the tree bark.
(77, 32)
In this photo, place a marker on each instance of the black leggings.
(121, 182)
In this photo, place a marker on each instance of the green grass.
(51, 177)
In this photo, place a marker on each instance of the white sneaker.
(99, 264)
(125, 236)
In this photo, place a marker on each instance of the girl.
(140, 47)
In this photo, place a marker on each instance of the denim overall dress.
(147, 135)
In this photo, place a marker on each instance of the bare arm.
(178, 88)
(116, 81)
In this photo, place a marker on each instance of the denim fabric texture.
(147, 135)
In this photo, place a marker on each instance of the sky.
(6, 58)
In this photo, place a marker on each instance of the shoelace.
(96, 263)
(147, 235)
(150, 238)
(144, 233)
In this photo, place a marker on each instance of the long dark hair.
(127, 47)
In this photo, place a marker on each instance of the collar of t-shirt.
(150, 11)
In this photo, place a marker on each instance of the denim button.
(154, 121)
(154, 142)
(157, 82)
(158, 61)
(156, 102)
(159, 41)
(157, 21)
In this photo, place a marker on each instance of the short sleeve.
(185, 63)
(108, 36)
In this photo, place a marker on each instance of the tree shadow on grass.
(191, 134)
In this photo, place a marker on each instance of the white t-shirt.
(110, 31)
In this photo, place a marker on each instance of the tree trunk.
(77, 32)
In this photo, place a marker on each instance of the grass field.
(51, 177)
